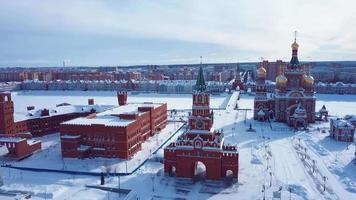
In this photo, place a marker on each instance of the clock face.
(199, 124)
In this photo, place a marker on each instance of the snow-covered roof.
(131, 108)
(59, 110)
(299, 111)
(83, 148)
(11, 139)
(350, 118)
(70, 136)
(3, 150)
(196, 131)
(341, 123)
(106, 120)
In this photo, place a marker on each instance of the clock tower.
(201, 143)
(201, 118)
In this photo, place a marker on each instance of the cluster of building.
(335, 88)
(72, 75)
(17, 130)
(201, 145)
(285, 92)
(163, 86)
(320, 87)
(86, 130)
(328, 72)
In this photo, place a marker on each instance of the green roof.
(294, 60)
(200, 84)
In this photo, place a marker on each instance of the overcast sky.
(94, 33)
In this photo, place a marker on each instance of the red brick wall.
(122, 142)
(6, 114)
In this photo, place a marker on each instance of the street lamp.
(324, 179)
(153, 183)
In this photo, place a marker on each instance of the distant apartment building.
(39, 122)
(335, 88)
(162, 86)
(323, 75)
(273, 69)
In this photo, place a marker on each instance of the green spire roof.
(200, 84)
(294, 60)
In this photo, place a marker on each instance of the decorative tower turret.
(261, 102)
(201, 118)
(200, 144)
(6, 114)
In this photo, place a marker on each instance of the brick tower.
(6, 114)
(122, 98)
(201, 146)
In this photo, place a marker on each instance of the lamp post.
(153, 183)
(324, 179)
(314, 161)
(355, 155)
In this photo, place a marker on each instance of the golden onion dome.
(308, 79)
(295, 45)
(261, 72)
(281, 80)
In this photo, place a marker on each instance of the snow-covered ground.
(338, 105)
(42, 99)
(50, 155)
(268, 156)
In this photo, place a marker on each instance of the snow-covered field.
(271, 158)
(50, 155)
(338, 105)
(42, 99)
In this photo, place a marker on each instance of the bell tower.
(201, 118)
(6, 114)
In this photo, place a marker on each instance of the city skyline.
(113, 33)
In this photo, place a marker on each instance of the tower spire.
(200, 84)
(295, 46)
(295, 36)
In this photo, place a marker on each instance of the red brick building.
(116, 133)
(19, 146)
(36, 123)
(273, 69)
(201, 151)
(342, 130)
(238, 82)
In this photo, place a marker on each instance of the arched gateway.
(201, 152)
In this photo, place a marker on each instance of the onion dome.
(308, 79)
(281, 80)
(261, 72)
(295, 45)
